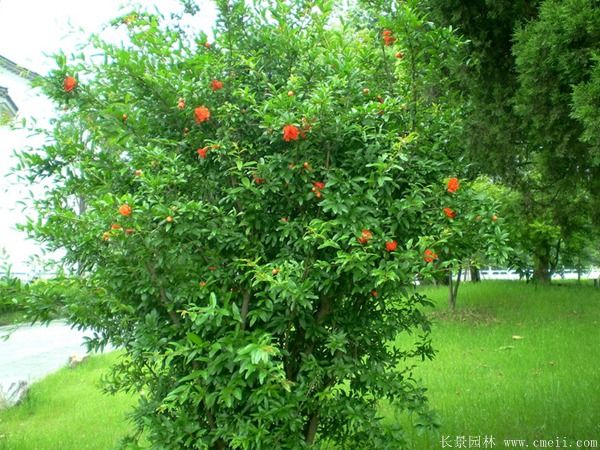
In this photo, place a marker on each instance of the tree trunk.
(475, 274)
(541, 272)
(453, 289)
(311, 428)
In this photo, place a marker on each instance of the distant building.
(18, 101)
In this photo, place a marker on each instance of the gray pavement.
(33, 351)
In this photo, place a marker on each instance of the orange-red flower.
(290, 133)
(318, 186)
(450, 214)
(365, 237)
(125, 210)
(202, 152)
(430, 256)
(115, 226)
(216, 85)
(201, 114)
(69, 83)
(453, 185)
(259, 180)
(391, 246)
(399, 55)
(388, 39)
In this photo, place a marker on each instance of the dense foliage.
(531, 118)
(248, 215)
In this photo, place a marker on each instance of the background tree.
(492, 136)
(532, 110)
(473, 235)
(556, 58)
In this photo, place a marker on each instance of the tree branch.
(163, 294)
(311, 428)
(245, 306)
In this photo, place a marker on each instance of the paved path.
(31, 352)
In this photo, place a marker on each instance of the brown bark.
(541, 272)
(311, 428)
(475, 274)
(245, 306)
(453, 289)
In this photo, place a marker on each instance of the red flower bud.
(450, 214)
(290, 133)
(391, 246)
(365, 237)
(453, 185)
(201, 114)
(430, 256)
(69, 84)
(125, 210)
(202, 152)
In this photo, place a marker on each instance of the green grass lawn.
(481, 383)
(68, 411)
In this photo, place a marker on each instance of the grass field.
(483, 381)
(67, 411)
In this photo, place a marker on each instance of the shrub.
(248, 214)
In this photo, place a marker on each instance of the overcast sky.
(31, 28)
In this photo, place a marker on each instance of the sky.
(29, 29)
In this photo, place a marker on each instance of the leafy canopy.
(248, 215)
